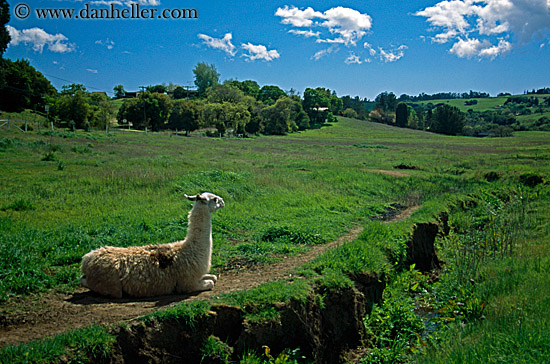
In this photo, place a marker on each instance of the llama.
(153, 270)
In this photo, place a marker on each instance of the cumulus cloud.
(346, 24)
(223, 44)
(39, 38)
(480, 28)
(259, 52)
(297, 17)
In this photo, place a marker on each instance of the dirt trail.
(45, 315)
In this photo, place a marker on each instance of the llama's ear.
(191, 198)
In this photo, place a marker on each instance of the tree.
(4, 19)
(447, 120)
(22, 86)
(223, 93)
(102, 109)
(277, 118)
(401, 115)
(205, 76)
(249, 87)
(161, 89)
(179, 93)
(148, 110)
(186, 115)
(71, 110)
(386, 101)
(269, 94)
(350, 113)
(120, 92)
(72, 89)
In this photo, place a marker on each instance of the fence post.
(25, 125)
(51, 124)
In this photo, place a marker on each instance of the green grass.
(282, 194)
(127, 189)
(92, 344)
(483, 104)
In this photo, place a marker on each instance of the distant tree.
(224, 93)
(148, 110)
(314, 101)
(4, 19)
(249, 87)
(269, 94)
(386, 101)
(447, 120)
(350, 113)
(73, 88)
(277, 118)
(161, 89)
(120, 92)
(22, 86)
(205, 76)
(102, 110)
(72, 109)
(186, 115)
(179, 93)
(401, 115)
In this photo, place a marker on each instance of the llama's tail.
(83, 282)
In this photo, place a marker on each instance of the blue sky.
(357, 48)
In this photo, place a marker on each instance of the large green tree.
(269, 94)
(149, 110)
(401, 114)
(186, 115)
(447, 120)
(22, 86)
(277, 118)
(206, 76)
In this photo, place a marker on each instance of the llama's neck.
(200, 226)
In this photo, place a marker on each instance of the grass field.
(483, 104)
(66, 193)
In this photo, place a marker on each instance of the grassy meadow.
(66, 193)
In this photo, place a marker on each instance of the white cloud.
(478, 28)
(353, 59)
(325, 52)
(475, 48)
(296, 17)
(223, 44)
(387, 56)
(259, 52)
(91, 70)
(348, 25)
(109, 44)
(39, 38)
(306, 33)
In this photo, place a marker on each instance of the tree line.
(231, 106)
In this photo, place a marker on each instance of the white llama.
(152, 270)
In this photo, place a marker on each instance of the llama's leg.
(211, 277)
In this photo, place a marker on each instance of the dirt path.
(40, 316)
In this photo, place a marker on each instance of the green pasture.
(65, 193)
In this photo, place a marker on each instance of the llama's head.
(209, 199)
